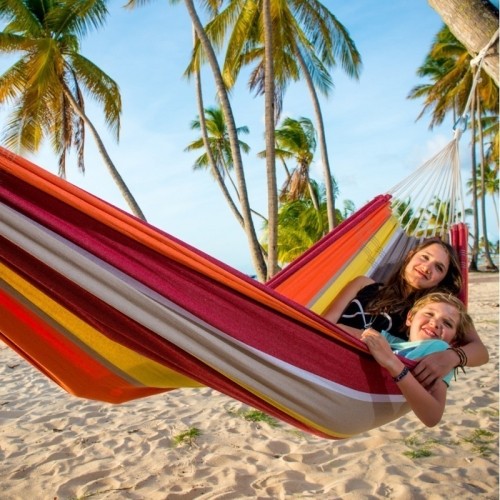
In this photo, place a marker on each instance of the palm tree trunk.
(473, 22)
(124, 190)
(272, 187)
(211, 160)
(320, 126)
(475, 243)
(255, 251)
(490, 265)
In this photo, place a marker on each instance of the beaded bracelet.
(402, 375)
(462, 357)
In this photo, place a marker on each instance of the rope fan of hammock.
(429, 202)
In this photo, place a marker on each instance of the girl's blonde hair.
(464, 324)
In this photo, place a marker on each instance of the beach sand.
(56, 446)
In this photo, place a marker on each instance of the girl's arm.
(437, 365)
(428, 406)
(342, 300)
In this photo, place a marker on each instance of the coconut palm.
(480, 140)
(448, 69)
(220, 151)
(474, 23)
(223, 99)
(451, 90)
(447, 66)
(308, 41)
(46, 85)
(296, 140)
(300, 225)
(405, 213)
(491, 127)
(491, 187)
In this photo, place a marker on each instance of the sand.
(197, 443)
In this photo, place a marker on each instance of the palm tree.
(451, 90)
(474, 23)
(406, 215)
(308, 40)
(490, 264)
(490, 187)
(272, 188)
(301, 225)
(220, 151)
(46, 85)
(223, 99)
(296, 139)
(447, 66)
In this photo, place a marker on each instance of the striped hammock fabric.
(113, 309)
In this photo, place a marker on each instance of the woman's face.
(427, 267)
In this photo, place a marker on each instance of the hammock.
(113, 309)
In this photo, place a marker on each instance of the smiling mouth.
(430, 333)
(422, 274)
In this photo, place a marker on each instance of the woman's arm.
(346, 296)
(435, 366)
(428, 406)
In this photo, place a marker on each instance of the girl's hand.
(380, 349)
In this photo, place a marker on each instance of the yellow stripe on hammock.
(140, 368)
(360, 265)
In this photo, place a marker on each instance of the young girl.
(430, 267)
(435, 321)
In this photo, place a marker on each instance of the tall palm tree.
(46, 85)
(489, 261)
(220, 150)
(296, 140)
(408, 218)
(223, 99)
(473, 22)
(451, 90)
(269, 111)
(490, 187)
(308, 41)
(447, 66)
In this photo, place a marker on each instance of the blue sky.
(373, 139)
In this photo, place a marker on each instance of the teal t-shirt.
(417, 349)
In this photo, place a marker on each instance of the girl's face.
(427, 267)
(436, 320)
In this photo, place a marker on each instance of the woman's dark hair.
(395, 297)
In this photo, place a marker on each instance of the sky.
(374, 140)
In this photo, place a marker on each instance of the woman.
(431, 267)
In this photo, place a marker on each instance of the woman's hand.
(435, 366)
